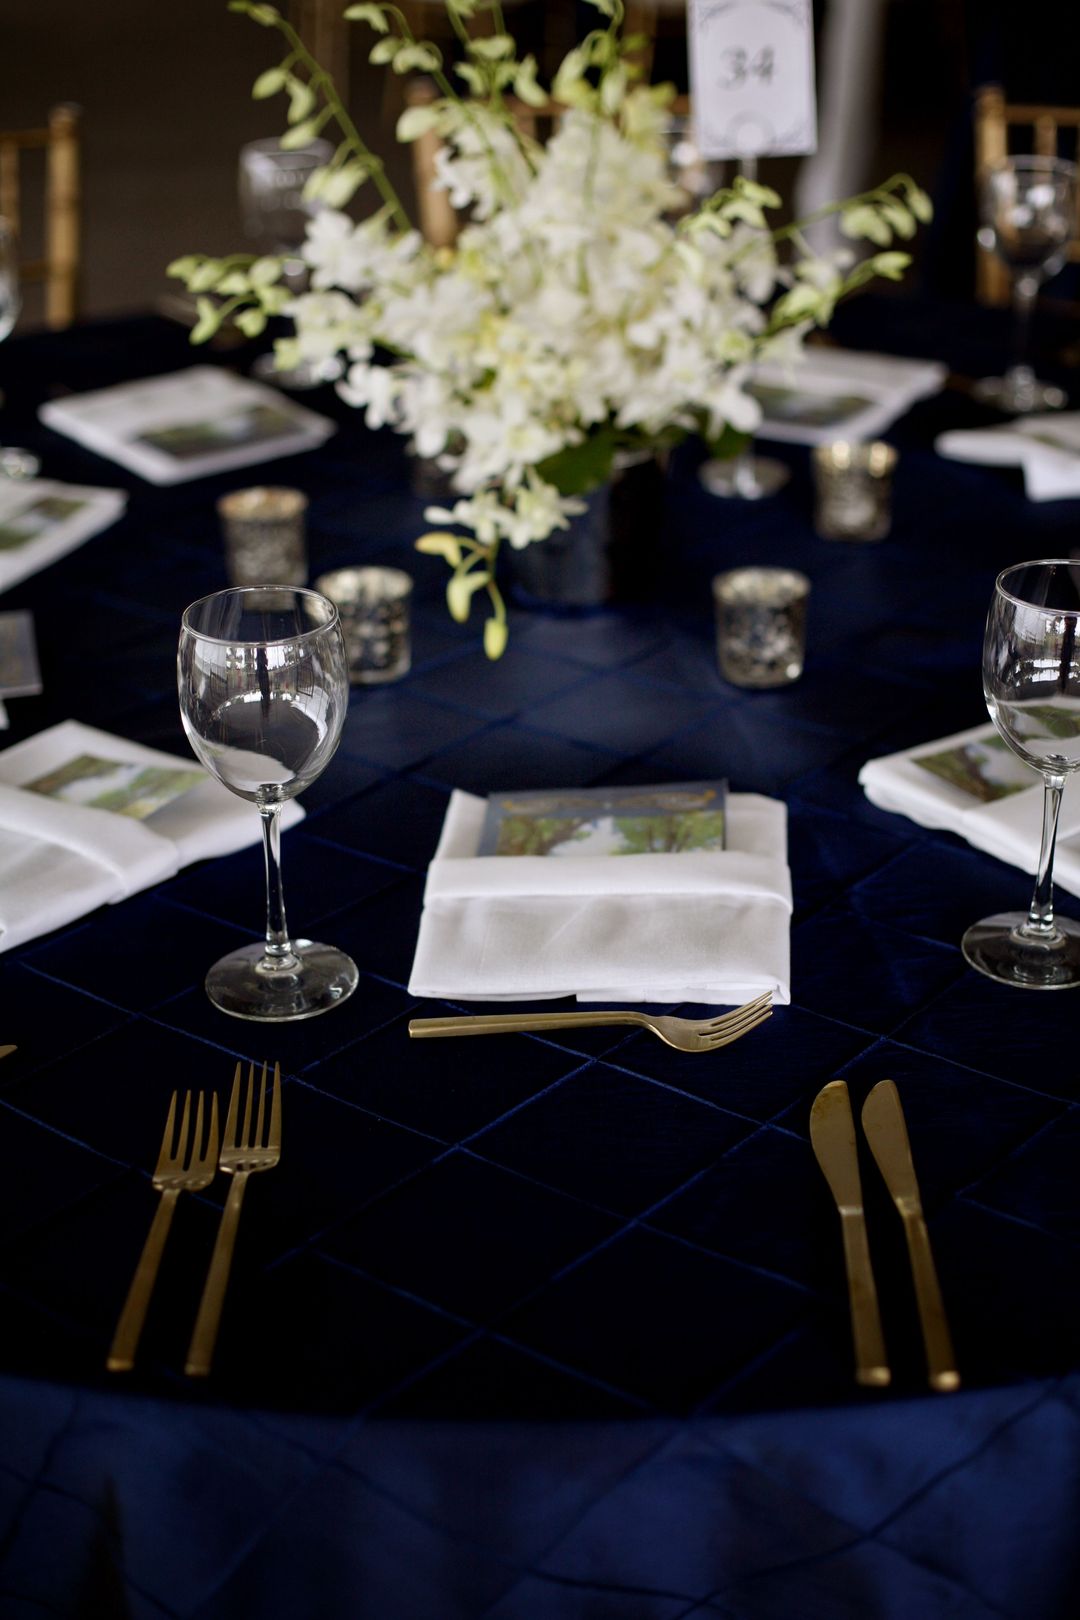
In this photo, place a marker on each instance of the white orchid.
(576, 316)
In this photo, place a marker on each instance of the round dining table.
(542, 1326)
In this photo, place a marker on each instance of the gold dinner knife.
(883, 1122)
(6, 1051)
(832, 1135)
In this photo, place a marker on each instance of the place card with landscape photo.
(664, 820)
(188, 424)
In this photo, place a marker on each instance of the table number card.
(752, 77)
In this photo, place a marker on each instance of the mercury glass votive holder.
(853, 483)
(265, 536)
(373, 605)
(761, 625)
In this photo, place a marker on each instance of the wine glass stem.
(1025, 292)
(744, 477)
(279, 949)
(1040, 919)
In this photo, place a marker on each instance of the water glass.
(854, 490)
(761, 625)
(264, 533)
(373, 605)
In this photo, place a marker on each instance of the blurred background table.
(555, 1327)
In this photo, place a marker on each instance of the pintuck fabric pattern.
(540, 1328)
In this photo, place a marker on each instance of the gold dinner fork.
(176, 1172)
(686, 1034)
(245, 1150)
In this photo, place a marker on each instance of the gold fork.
(171, 1177)
(244, 1150)
(686, 1034)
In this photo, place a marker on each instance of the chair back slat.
(58, 267)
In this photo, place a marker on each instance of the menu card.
(971, 783)
(188, 424)
(838, 394)
(41, 521)
(583, 822)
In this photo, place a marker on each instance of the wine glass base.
(306, 374)
(995, 947)
(744, 478)
(1017, 399)
(322, 977)
(18, 463)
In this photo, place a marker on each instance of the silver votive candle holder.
(374, 608)
(761, 625)
(264, 530)
(853, 484)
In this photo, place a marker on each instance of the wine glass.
(9, 280)
(275, 215)
(1028, 210)
(264, 687)
(1031, 680)
(744, 476)
(14, 463)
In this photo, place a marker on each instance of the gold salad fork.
(186, 1167)
(246, 1149)
(685, 1034)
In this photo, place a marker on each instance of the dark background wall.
(165, 92)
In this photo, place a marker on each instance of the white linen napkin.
(41, 521)
(705, 926)
(60, 860)
(1008, 828)
(1045, 447)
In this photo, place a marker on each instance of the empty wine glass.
(273, 207)
(264, 686)
(14, 463)
(1031, 680)
(9, 280)
(1027, 206)
(744, 476)
(275, 215)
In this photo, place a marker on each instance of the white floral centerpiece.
(579, 313)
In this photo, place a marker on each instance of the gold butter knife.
(832, 1135)
(883, 1122)
(6, 1051)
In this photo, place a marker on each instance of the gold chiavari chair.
(58, 265)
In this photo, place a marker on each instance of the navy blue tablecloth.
(541, 1329)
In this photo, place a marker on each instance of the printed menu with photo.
(188, 424)
(616, 821)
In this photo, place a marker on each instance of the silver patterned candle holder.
(854, 490)
(761, 625)
(373, 606)
(264, 533)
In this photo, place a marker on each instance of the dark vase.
(608, 554)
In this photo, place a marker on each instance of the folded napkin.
(839, 394)
(41, 521)
(1046, 448)
(60, 859)
(1009, 827)
(706, 926)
